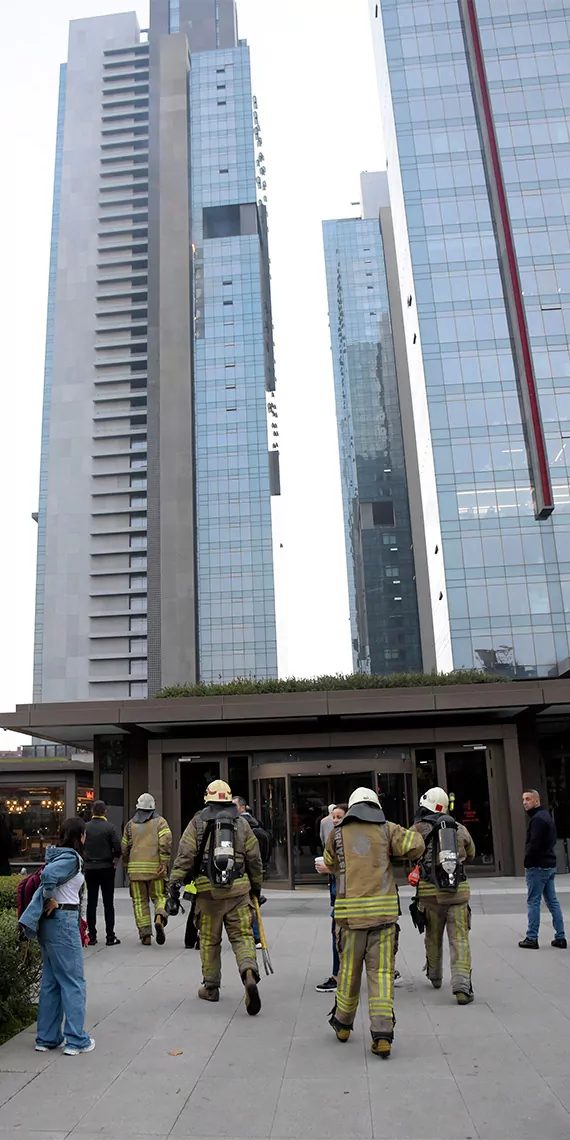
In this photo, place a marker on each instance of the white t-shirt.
(69, 892)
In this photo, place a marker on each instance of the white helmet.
(363, 796)
(146, 802)
(435, 799)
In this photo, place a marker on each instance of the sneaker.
(398, 979)
(73, 1051)
(258, 946)
(252, 998)
(92, 942)
(560, 943)
(529, 944)
(464, 999)
(327, 987)
(159, 930)
(381, 1047)
(114, 941)
(48, 1048)
(209, 993)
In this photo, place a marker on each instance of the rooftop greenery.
(244, 686)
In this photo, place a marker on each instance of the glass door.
(195, 775)
(270, 808)
(468, 780)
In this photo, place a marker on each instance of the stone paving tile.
(313, 1108)
(236, 1108)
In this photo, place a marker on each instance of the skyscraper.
(154, 553)
(383, 597)
(475, 98)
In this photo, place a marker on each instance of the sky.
(314, 78)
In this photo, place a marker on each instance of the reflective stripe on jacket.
(146, 847)
(248, 861)
(366, 894)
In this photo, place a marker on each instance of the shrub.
(20, 974)
(250, 685)
(8, 891)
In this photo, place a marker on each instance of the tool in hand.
(264, 951)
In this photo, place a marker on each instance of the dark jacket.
(5, 844)
(540, 839)
(102, 844)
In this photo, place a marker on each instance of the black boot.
(529, 944)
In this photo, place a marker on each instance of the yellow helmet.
(218, 792)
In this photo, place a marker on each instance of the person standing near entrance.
(146, 848)
(540, 872)
(444, 892)
(102, 852)
(327, 824)
(330, 984)
(366, 911)
(220, 852)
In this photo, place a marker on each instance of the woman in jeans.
(54, 915)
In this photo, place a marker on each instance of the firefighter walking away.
(146, 847)
(219, 851)
(366, 910)
(443, 892)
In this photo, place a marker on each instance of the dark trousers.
(104, 878)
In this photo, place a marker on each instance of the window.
(35, 814)
(138, 521)
(138, 481)
(139, 689)
(138, 501)
(137, 540)
(138, 603)
(383, 512)
(229, 221)
(138, 443)
(220, 71)
(138, 624)
(137, 562)
(138, 645)
(138, 667)
(222, 103)
(137, 582)
(228, 302)
(138, 462)
(224, 169)
(221, 87)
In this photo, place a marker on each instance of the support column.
(515, 791)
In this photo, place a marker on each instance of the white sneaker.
(258, 946)
(48, 1048)
(398, 979)
(73, 1051)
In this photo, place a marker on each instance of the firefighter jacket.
(366, 895)
(146, 847)
(249, 868)
(427, 891)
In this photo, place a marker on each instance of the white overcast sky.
(314, 78)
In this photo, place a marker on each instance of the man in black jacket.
(540, 871)
(102, 851)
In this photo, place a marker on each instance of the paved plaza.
(168, 1065)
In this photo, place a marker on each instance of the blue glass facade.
(507, 575)
(236, 600)
(382, 592)
(46, 411)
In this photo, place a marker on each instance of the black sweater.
(540, 839)
(102, 844)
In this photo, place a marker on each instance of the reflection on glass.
(467, 779)
(271, 808)
(35, 817)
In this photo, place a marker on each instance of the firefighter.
(219, 851)
(366, 910)
(444, 896)
(146, 848)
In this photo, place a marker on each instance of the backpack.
(26, 890)
(263, 837)
(220, 865)
(441, 862)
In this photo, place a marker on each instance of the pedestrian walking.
(330, 984)
(53, 917)
(366, 911)
(102, 852)
(326, 826)
(540, 872)
(220, 852)
(264, 839)
(443, 892)
(146, 848)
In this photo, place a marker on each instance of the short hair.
(531, 792)
(99, 807)
(240, 800)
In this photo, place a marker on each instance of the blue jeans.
(63, 992)
(255, 929)
(540, 884)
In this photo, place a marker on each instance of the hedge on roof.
(338, 682)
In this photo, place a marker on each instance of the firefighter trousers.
(212, 915)
(374, 949)
(142, 891)
(456, 919)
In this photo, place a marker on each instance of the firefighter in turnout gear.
(443, 892)
(219, 851)
(146, 848)
(366, 910)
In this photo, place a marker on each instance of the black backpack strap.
(339, 846)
